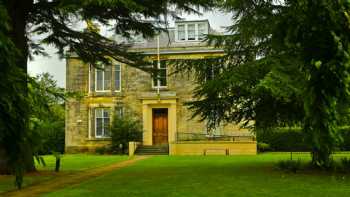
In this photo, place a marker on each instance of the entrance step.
(152, 150)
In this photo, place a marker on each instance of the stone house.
(158, 102)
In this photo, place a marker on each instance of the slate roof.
(168, 44)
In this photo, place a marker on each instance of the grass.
(7, 182)
(69, 164)
(78, 162)
(246, 176)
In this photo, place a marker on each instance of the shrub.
(100, 150)
(47, 136)
(345, 134)
(263, 147)
(53, 138)
(125, 129)
(345, 164)
(284, 139)
(290, 165)
(293, 139)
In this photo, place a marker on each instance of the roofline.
(185, 52)
(74, 55)
(191, 21)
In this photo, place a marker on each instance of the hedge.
(293, 139)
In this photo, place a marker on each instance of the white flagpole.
(158, 65)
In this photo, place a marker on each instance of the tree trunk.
(18, 154)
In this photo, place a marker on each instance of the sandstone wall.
(135, 84)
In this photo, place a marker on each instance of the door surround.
(147, 109)
(160, 126)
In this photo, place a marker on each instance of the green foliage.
(14, 150)
(263, 147)
(103, 150)
(284, 139)
(345, 164)
(51, 19)
(125, 129)
(294, 139)
(47, 118)
(290, 165)
(286, 64)
(54, 23)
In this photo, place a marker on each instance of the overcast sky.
(57, 67)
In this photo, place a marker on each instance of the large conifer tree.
(286, 63)
(52, 21)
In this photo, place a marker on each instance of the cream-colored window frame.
(95, 119)
(120, 77)
(103, 83)
(158, 80)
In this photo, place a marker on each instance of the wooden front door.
(160, 126)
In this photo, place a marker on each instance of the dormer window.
(181, 33)
(202, 30)
(191, 31)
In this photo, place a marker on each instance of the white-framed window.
(191, 31)
(181, 32)
(202, 31)
(103, 78)
(117, 77)
(160, 79)
(102, 122)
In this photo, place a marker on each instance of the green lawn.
(76, 162)
(211, 176)
(7, 182)
(69, 164)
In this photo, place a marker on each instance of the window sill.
(100, 139)
(161, 88)
(107, 94)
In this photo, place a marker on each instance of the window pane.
(155, 75)
(181, 27)
(106, 127)
(161, 76)
(117, 78)
(106, 113)
(98, 113)
(181, 32)
(163, 64)
(191, 31)
(155, 81)
(107, 78)
(99, 80)
(162, 82)
(99, 127)
(201, 31)
(162, 73)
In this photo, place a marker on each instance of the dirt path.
(69, 180)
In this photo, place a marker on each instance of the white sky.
(57, 67)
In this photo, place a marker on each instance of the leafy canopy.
(26, 25)
(286, 63)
